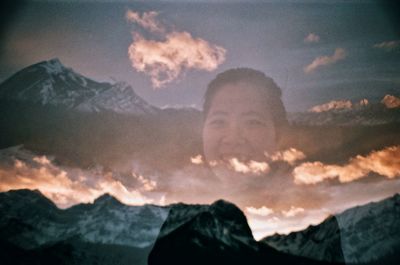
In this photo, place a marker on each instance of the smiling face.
(238, 124)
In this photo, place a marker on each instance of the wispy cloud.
(311, 38)
(148, 20)
(385, 162)
(165, 60)
(388, 45)
(339, 55)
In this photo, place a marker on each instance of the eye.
(217, 123)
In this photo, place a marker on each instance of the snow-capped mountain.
(364, 234)
(29, 220)
(49, 83)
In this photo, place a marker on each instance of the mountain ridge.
(51, 83)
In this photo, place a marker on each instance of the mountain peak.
(106, 198)
(53, 66)
(50, 83)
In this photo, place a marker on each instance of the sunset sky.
(168, 51)
(316, 52)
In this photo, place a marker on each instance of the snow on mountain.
(30, 220)
(121, 98)
(358, 235)
(49, 83)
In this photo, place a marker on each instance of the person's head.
(243, 116)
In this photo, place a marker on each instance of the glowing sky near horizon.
(269, 209)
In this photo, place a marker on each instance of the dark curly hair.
(254, 77)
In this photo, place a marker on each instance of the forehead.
(239, 97)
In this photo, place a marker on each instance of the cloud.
(339, 54)
(291, 156)
(388, 45)
(250, 167)
(197, 160)
(293, 211)
(262, 211)
(148, 20)
(311, 38)
(385, 162)
(235, 164)
(342, 104)
(165, 60)
(391, 102)
(332, 105)
(147, 184)
(67, 186)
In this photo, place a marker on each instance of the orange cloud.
(339, 105)
(385, 162)
(312, 37)
(391, 102)
(67, 186)
(166, 59)
(339, 54)
(332, 105)
(291, 156)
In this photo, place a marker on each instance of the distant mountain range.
(50, 83)
(108, 232)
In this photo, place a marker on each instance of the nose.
(233, 135)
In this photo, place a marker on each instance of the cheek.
(210, 143)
